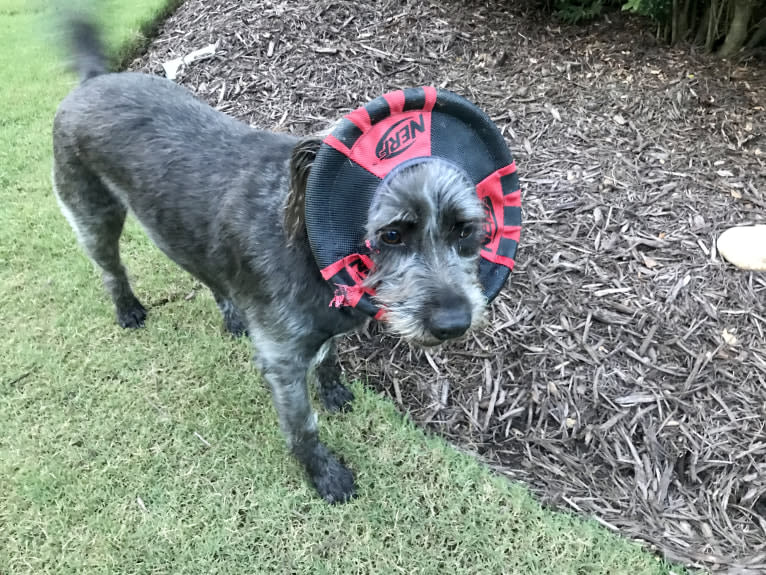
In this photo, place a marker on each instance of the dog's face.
(426, 225)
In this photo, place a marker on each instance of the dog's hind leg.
(284, 364)
(327, 374)
(97, 218)
(232, 318)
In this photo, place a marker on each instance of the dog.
(225, 201)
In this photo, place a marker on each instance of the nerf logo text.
(490, 223)
(399, 137)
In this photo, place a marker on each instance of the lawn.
(157, 451)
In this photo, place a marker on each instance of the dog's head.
(426, 227)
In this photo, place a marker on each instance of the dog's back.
(196, 179)
(151, 146)
(148, 134)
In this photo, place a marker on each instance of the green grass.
(102, 469)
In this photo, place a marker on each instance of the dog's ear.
(302, 158)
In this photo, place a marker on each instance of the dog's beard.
(407, 293)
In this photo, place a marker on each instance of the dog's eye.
(464, 231)
(391, 237)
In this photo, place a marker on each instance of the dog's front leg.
(327, 374)
(284, 366)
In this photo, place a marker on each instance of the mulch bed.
(623, 374)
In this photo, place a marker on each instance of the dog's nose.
(450, 318)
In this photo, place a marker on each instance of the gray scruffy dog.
(226, 203)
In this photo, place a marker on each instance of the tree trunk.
(737, 34)
(715, 22)
(702, 25)
(759, 36)
(674, 23)
(683, 21)
(712, 25)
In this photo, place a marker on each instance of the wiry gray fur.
(224, 201)
(433, 272)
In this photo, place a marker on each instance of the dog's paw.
(232, 319)
(333, 480)
(336, 397)
(335, 483)
(132, 317)
(235, 326)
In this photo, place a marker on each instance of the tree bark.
(683, 21)
(759, 36)
(737, 34)
(712, 25)
(702, 26)
(674, 23)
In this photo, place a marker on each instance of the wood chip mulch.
(623, 374)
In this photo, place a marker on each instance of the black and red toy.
(370, 142)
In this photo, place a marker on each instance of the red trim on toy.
(347, 296)
(351, 264)
(338, 145)
(357, 266)
(360, 118)
(490, 190)
(431, 95)
(395, 101)
(513, 200)
(498, 259)
(512, 233)
(504, 171)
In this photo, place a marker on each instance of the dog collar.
(368, 144)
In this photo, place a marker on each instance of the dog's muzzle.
(449, 318)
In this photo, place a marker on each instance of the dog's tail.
(86, 46)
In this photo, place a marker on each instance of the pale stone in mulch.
(745, 247)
